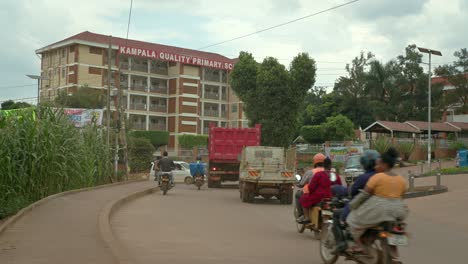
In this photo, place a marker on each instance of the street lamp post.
(38, 78)
(429, 132)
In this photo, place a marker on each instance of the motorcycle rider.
(381, 200)
(319, 189)
(166, 165)
(368, 161)
(197, 167)
(318, 160)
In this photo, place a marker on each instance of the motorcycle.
(380, 243)
(165, 182)
(199, 180)
(319, 217)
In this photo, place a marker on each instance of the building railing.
(138, 126)
(140, 67)
(159, 127)
(158, 89)
(213, 96)
(138, 106)
(158, 108)
(124, 65)
(139, 87)
(211, 113)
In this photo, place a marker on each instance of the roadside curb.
(14, 218)
(117, 250)
(435, 190)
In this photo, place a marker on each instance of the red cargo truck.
(224, 146)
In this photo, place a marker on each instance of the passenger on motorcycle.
(368, 162)
(318, 160)
(380, 201)
(319, 189)
(166, 165)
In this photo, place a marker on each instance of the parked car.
(181, 172)
(352, 168)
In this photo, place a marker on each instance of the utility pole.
(109, 77)
(429, 117)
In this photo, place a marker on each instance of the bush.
(312, 134)
(382, 144)
(156, 138)
(41, 157)
(190, 141)
(140, 154)
(338, 128)
(458, 145)
(405, 149)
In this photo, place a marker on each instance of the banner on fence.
(341, 153)
(82, 117)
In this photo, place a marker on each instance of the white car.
(181, 173)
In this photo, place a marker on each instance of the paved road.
(213, 226)
(63, 230)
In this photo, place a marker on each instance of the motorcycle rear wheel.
(300, 227)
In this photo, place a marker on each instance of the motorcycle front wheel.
(327, 245)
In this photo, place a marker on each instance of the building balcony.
(138, 126)
(139, 87)
(140, 67)
(124, 65)
(158, 89)
(138, 106)
(158, 108)
(211, 113)
(212, 96)
(157, 127)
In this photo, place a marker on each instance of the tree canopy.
(10, 105)
(84, 97)
(273, 95)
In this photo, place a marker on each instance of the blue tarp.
(462, 158)
(196, 167)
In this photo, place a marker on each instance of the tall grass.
(40, 157)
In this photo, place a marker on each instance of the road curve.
(213, 226)
(64, 229)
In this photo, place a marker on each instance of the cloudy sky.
(384, 27)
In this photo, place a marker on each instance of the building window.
(94, 50)
(234, 108)
(64, 70)
(64, 51)
(224, 76)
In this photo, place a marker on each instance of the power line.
(279, 25)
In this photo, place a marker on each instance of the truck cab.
(267, 172)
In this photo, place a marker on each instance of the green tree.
(84, 97)
(10, 105)
(352, 90)
(313, 134)
(140, 154)
(457, 75)
(190, 141)
(338, 128)
(273, 95)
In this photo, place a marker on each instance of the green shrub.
(405, 149)
(157, 138)
(140, 154)
(312, 134)
(338, 128)
(190, 141)
(458, 145)
(382, 144)
(46, 155)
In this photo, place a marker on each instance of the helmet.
(319, 158)
(368, 159)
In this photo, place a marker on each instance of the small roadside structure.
(393, 129)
